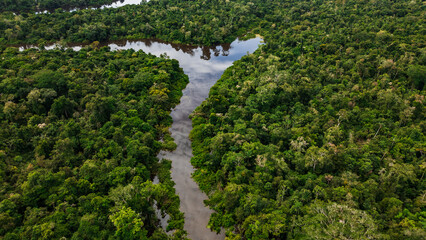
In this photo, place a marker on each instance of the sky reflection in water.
(204, 66)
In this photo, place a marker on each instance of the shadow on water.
(204, 66)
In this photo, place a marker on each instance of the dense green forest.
(79, 138)
(174, 21)
(320, 134)
(31, 5)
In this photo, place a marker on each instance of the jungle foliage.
(174, 21)
(321, 134)
(32, 5)
(79, 138)
(318, 134)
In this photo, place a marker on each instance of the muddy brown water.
(204, 66)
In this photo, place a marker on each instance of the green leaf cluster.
(194, 22)
(79, 138)
(320, 134)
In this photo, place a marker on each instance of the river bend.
(204, 66)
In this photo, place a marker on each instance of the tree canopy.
(79, 137)
(319, 134)
(32, 5)
(321, 128)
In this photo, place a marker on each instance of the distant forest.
(28, 5)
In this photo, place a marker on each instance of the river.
(117, 4)
(123, 3)
(204, 66)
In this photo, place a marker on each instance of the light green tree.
(128, 224)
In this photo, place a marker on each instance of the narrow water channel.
(204, 66)
(121, 3)
(116, 4)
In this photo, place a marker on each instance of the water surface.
(123, 3)
(204, 66)
(117, 4)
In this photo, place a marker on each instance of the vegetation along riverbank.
(319, 134)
